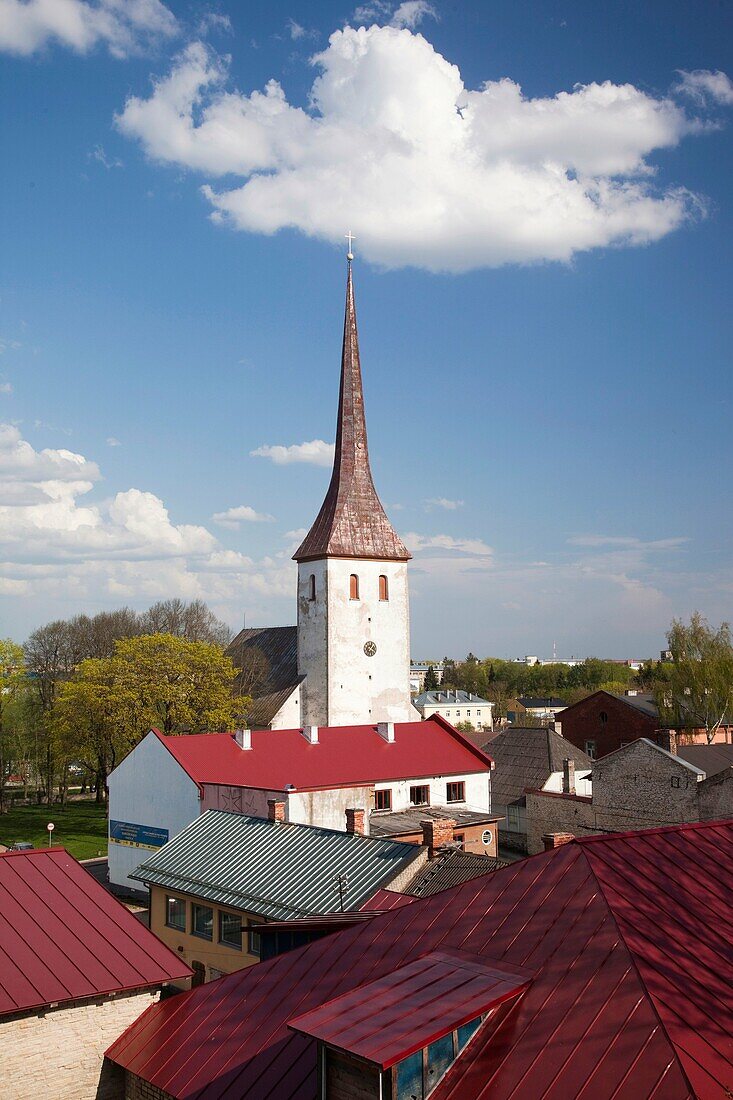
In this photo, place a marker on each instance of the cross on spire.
(350, 237)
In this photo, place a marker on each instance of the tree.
(12, 678)
(431, 680)
(699, 693)
(193, 621)
(51, 655)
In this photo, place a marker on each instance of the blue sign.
(137, 836)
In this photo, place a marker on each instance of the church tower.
(353, 607)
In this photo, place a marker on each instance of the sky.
(541, 203)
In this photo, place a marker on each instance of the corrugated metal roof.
(382, 901)
(451, 868)
(711, 759)
(408, 822)
(63, 937)
(274, 869)
(631, 940)
(442, 989)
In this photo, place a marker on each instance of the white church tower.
(353, 606)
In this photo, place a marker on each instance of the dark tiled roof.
(710, 759)
(352, 522)
(537, 701)
(451, 868)
(407, 822)
(526, 758)
(278, 646)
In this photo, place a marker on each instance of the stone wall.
(556, 813)
(59, 1054)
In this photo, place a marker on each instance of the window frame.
(420, 787)
(354, 587)
(223, 914)
(383, 794)
(254, 938)
(590, 749)
(461, 785)
(168, 923)
(202, 935)
(383, 588)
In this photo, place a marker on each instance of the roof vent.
(243, 738)
(386, 730)
(311, 734)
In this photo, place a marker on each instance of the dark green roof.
(278, 870)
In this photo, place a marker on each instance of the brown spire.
(352, 522)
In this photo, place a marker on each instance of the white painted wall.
(343, 684)
(583, 784)
(148, 788)
(478, 714)
(288, 717)
(328, 808)
(478, 791)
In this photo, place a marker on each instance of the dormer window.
(383, 589)
(353, 587)
(312, 587)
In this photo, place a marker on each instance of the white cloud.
(113, 441)
(123, 26)
(234, 517)
(702, 86)
(297, 31)
(626, 542)
(445, 503)
(411, 13)
(6, 387)
(382, 148)
(446, 543)
(316, 453)
(98, 153)
(9, 345)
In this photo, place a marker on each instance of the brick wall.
(623, 723)
(58, 1055)
(137, 1089)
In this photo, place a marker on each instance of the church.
(348, 659)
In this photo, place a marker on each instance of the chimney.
(568, 776)
(311, 734)
(667, 739)
(243, 738)
(386, 730)
(556, 840)
(436, 834)
(557, 727)
(355, 822)
(275, 810)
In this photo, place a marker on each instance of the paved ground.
(99, 870)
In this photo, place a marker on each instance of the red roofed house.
(76, 968)
(599, 970)
(393, 772)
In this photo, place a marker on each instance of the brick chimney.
(436, 834)
(667, 739)
(355, 822)
(568, 776)
(275, 810)
(556, 840)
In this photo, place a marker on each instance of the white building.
(456, 707)
(318, 773)
(351, 657)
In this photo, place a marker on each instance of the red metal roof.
(344, 756)
(442, 990)
(63, 937)
(630, 938)
(382, 901)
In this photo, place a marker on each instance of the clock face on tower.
(370, 649)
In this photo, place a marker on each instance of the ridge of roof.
(352, 522)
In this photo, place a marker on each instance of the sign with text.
(137, 836)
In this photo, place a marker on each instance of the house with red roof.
(388, 773)
(76, 967)
(599, 970)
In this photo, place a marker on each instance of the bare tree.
(193, 621)
(95, 636)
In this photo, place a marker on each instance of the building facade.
(457, 707)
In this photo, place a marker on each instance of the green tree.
(699, 692)
(12, 680)
(431, 680)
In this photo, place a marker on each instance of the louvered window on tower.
(312, 587)
(383, 588)
(353, 587)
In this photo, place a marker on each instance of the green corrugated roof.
(274, 869)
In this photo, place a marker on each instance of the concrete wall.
(58, 1055)
(344, 685)
(148, 788)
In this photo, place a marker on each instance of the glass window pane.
(465, 1032)
(202, 921)
(176, 913)
(409, 1078)
(230, 930)
(255, 943)
(440, 1056)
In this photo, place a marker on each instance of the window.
(468, 713)
(478, 713)
(255, 941)
(312, 587)
(409, 1077)
(440, 1056)
(590, 749)
(465, 1032)
(603, 717)
(175, 913)
(459, 839)
(382, 800)
(353, 587)
(383, 588)
(202, 921)
(230, 930)
(512, 817)
(199, 974)
(456, 792)
(420, 796)
(416, 1077)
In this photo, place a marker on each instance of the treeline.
(80, 693)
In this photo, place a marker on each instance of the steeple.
(352, 522)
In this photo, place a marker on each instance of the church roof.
(352, 522)
(267, 660)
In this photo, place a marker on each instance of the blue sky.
(543, 299)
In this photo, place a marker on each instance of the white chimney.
(386, 730)
(311, 734)
(243, 738)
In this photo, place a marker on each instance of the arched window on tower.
(383, 588)
(312, 587)
(353, 587)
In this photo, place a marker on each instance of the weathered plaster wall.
(328, 808)
(478, 790)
